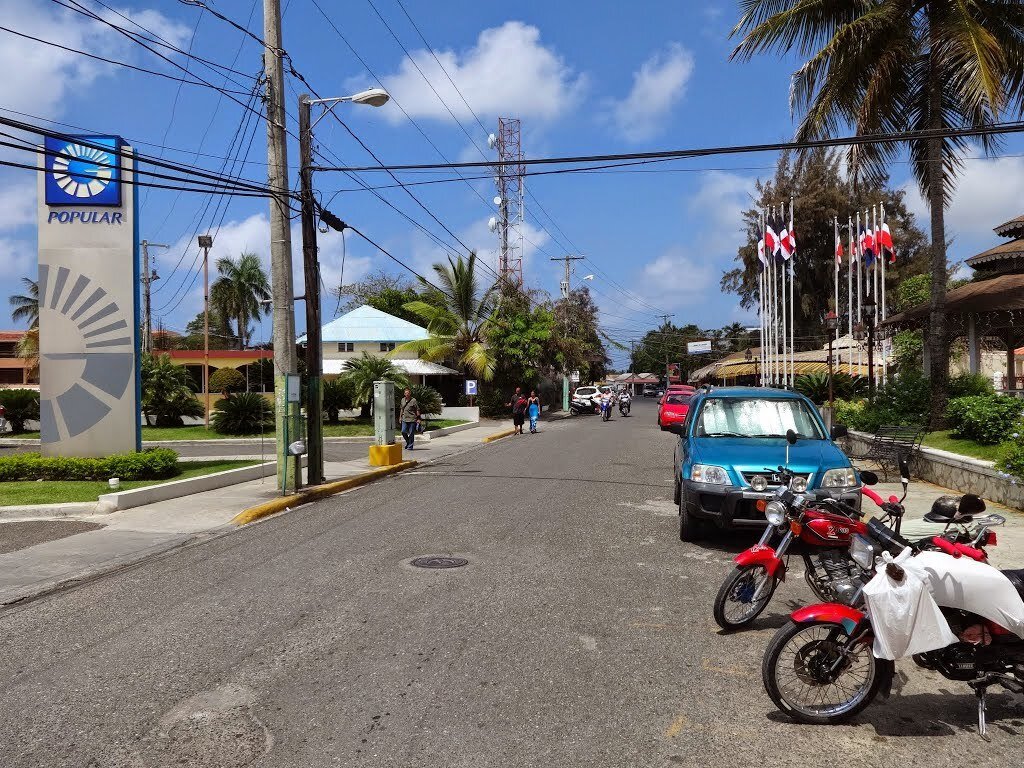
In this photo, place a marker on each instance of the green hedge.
(151, 464)
(986, 419)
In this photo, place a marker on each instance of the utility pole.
(147, 278)
(285, 362)
(206, 243)
(664, 324)
(311, 270)
(565, 295)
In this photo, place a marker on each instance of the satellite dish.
(492, 141)
(497, 200)
(492, 223)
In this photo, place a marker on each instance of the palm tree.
(884, 66)
(456, 317)
(363, 371)
(237, 293)
(26, 305)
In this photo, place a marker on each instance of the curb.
(274, 506)
(499, 435)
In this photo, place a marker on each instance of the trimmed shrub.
(1012, 462)
(986, 419)
(970, 384)
(337, 396)
(849, 413)
(243, 413)
(167, 394)
(151, 464)
(494, 403)
(21, 405)
(227, 381)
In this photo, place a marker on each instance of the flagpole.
(772, 291)
(792, 301)
(781, 258)
(874, 264)
(885, 362)
(769, 317)
(860, 264)
(760, 308)
(839, 259)
(849, 298)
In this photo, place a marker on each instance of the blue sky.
(583, 77)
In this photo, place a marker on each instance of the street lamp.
(831, 323)
(374, 97)
(869, 312)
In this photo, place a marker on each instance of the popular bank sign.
(88, 298)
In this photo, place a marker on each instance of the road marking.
(659, 507)
(676, 726)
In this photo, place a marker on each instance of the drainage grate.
(435, 561)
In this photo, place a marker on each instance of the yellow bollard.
(385, 455)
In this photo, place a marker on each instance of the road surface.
(579, 634)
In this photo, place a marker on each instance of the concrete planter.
(462, 412)
(434, 433)
(112, 502)
(962, 474)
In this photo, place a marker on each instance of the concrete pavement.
(39, 555)
(579, 634)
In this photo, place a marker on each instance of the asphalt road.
(580, 634)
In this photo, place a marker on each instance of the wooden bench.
(890, 443)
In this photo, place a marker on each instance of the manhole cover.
(434, 561)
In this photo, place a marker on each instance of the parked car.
(650, 390)
(730, 446)
(587, 392)
(673, 409)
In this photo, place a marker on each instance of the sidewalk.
(132, 535)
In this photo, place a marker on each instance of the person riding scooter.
(624, 401)
(606, 404)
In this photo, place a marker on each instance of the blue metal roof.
(367, 324)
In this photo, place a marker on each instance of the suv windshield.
(756, 417)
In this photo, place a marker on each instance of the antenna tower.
(510, 205)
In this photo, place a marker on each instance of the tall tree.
(821, 192)
(518, 335)
(896, 65)
(577, 344)
(221, 334)
(239, 291)
(388, 293)
(457, 317)
(25, 306)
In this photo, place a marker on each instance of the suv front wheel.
(690, 529)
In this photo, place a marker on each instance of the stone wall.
(950, 470)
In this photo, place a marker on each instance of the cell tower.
(510, 200)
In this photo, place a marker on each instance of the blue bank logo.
(83, 171)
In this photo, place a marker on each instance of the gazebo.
(991, 306)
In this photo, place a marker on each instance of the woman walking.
(533, 408)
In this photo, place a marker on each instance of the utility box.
(384, 412)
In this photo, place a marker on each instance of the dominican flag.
(867, 246)
(788, 240)
(839, 247)
(760, 253)
(783, 234)
(771, 238)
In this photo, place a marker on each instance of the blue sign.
(83, 171)
(470, 386)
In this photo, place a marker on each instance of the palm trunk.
(937, 339)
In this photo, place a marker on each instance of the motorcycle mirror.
(867, 477)
(839, 431)
(970, 504)
(791, 437)
(904, 471)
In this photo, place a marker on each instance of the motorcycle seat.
(1017, 579)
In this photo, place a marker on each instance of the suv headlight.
(705, 473)
(862, 552)
(844, 477)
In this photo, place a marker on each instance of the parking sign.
(471, 387)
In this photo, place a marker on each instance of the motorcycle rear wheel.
(738, 590)
(794, 673)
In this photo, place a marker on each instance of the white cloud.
(17, 200)
(40, 78)
(675, 278)
(988, 192)
(657, 87)
(508, 71)
(719, 203)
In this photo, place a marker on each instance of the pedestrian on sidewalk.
(533, 409)
(518, 406)
(409, 413)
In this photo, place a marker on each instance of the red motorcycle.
(821, 530)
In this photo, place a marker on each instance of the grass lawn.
(21, 436)
(944, 442)
(58, 491)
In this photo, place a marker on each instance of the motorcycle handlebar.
(871, 495)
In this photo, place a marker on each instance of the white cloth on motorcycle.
(960, 582)
(904, 615)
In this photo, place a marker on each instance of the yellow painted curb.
(321, 491)
(499, 435)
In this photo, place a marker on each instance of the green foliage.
(912, 291)
(494, 403)
(167, 393)
(239, 291)
(388, 293)
(25, 306)
(815, 386)
(905, 400)
(221, 334)
(429, 399)
(986, 419)
(1012, 462)
(577, 344)
(227, 381)
(21, 405)
(457, 317)
(970, 384)
(337, 396)
(243, 413)
(362, 371)
(517, 337)
(151, 464)
(849, 413)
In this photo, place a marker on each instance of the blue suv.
(730, 446)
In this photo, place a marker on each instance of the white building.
(377, 333)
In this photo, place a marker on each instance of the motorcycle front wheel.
(744, 594)
(812, 676)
